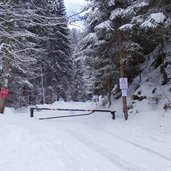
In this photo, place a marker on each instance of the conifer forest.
(43, 61)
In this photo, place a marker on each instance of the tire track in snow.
(132, 143)
(107, 155)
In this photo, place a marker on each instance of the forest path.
(90, 143)
(120, 148)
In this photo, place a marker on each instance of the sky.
(72, 7)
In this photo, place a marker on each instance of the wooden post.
(31, 112)
(122, 72)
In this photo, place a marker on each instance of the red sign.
(4, 92)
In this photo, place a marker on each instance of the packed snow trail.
(133, 143)
(92, 143)
(118, 150)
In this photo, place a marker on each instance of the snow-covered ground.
(89, 143)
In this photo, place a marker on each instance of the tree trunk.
(6, 62)
(109, 90)
(162, 67)
(122, 73)
(5, 74)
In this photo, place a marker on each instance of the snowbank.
(93, 143)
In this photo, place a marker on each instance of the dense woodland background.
(44, 61)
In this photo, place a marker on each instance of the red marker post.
(4, 93)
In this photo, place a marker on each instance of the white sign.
(95, 98)
(6, 83)
(124, 92)
(123, 82)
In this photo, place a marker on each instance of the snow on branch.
(132, 10)
(111, 3)
(91, 37)
(118, 12)
(126, 27)
(137, 20)
(106, 25)
(100, 42)
(154, 20)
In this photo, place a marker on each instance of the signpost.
(124, 93)
(123, 80)
(123, 84)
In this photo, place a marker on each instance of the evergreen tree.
(34, 29)
(51, 28)
(17, 52)
(95, 45)
(122, 28)
(78, 83)
(101, 41)
(154, 26)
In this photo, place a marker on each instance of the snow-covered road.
(90, 143)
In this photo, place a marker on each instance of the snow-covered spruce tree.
(106, 20)
(96, 46)
(51, 28)
(154, 26)
(63, 55)
(17, 53)
(129, 49)
(78, 84)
